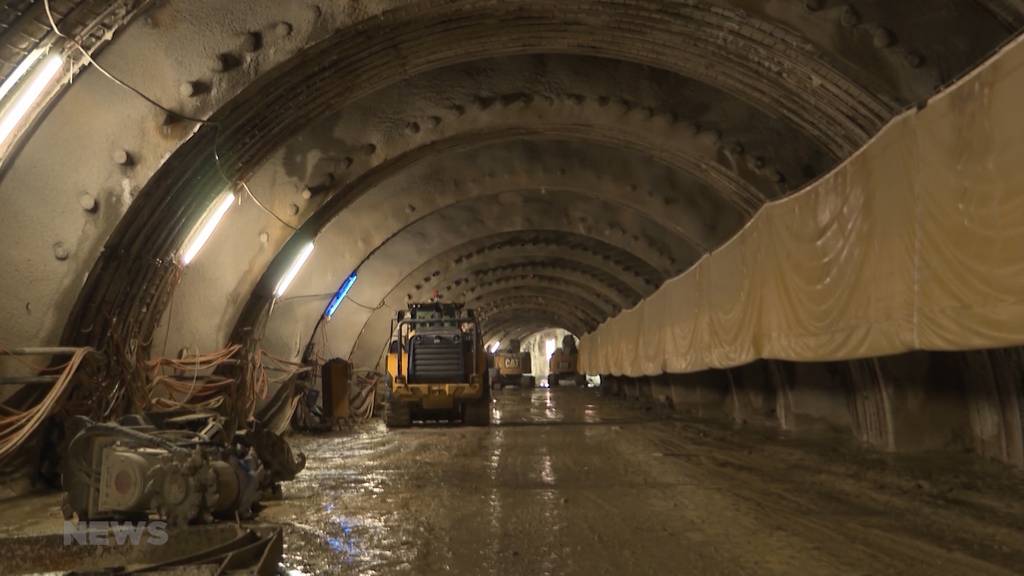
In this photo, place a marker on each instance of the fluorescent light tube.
(20, 72)
(340, 296)
(24, 101)
(205, 229)
(293, 270)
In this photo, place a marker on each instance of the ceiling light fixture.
(206, 227)
(293, 270)
(340, 296)
(20, 72)
(13, 116)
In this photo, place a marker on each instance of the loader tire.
(477, 413)
(397, 415)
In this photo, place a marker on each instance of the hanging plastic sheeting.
(915, 243)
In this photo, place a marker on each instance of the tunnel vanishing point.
(801, 215)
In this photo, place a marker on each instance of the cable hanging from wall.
(215, 125)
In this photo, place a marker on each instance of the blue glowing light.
(346, 544)
(342, 292)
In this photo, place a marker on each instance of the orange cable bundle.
(17, 427)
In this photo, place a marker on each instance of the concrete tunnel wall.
(552, 167)
(919, 401)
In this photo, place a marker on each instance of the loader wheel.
(397, 415)
(477, 413)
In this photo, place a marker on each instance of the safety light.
(24, 101)
(342, 292)
(20, 72)
(206, 227)
(495, 346)
(293, 270)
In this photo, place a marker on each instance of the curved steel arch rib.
(554, 300)
(522, 329)
(518, 314)
(601, 286)
(457, 264)
(410, 40)
(602, 307)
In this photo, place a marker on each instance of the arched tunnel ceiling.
(548, 166)
(523, 328)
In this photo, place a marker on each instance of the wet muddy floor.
(568, 482)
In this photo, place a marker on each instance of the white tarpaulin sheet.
(916, 242)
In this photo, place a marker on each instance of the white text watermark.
(102, 533)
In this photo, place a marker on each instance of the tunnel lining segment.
(239, 160)
(128, 286)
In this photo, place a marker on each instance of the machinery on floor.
(186, 468)
(512, 367)
(437, 367)
(564, 363)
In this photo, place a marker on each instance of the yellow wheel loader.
(563, 364)
(512, 367)
(437, 367)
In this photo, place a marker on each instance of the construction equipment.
(336, 376)
(184, 468)
(512, 367)
(564, 363)
(437, 367)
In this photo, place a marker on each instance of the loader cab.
(437, 366)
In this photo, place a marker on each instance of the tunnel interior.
(184, 182)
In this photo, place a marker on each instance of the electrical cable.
(170, 312)
(306, 296)
(216, 126)
(326, 343)
(382, 304)
(195, 377)
(387, 344)
(247, 190)
(191, 388)
(89, 58)
(329, 294)
(32, 365)
(15, 429)
(211, 361)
